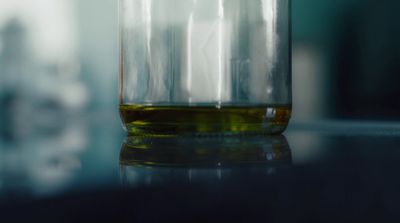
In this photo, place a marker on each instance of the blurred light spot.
(271, 113)
(74, 95)
(308, 83)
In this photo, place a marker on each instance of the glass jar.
(205, 66)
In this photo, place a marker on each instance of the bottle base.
(144, 120)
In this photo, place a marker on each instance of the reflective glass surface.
(321, 170)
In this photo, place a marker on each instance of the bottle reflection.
(187, 160)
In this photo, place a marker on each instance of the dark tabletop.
(328, 171)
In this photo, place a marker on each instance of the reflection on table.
(190, 160)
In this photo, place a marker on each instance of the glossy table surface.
(327, 171)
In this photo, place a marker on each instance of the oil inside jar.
(147, 120)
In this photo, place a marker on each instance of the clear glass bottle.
(205, 66)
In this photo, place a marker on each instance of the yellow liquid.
(144, 120)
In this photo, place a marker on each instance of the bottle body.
(205, 67)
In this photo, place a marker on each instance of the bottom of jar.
(150, 120)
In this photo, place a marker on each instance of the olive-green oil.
(148, 120)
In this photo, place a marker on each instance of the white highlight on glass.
(189, 52)
(220, 53)
(147, 19)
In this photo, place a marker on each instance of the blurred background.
(58, 84)
(59, 80)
